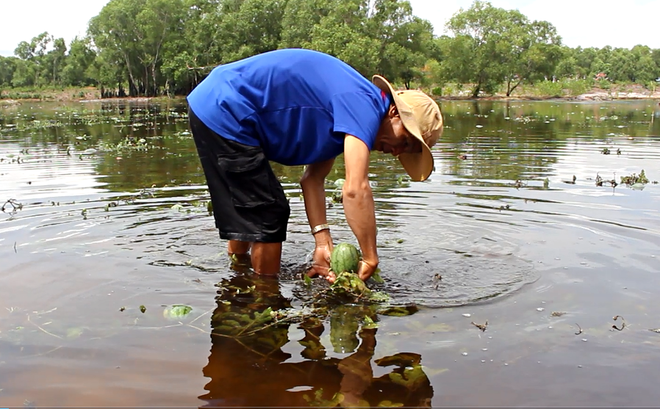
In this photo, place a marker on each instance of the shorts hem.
(252, 238)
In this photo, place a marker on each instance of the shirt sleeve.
(357, 114)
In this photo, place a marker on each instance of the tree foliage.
(156, 47)
(493, 46)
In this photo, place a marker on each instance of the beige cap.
(422, 118)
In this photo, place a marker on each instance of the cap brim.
(419, 166)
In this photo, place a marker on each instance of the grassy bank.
(565, 89)
(49, 93)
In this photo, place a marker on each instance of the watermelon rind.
(344, 258)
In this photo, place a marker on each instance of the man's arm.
(313, 187)
(358, 203)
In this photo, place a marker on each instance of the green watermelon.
(344, 258)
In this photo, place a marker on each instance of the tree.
(35, 69)
(342, 33)
(480, 44)
(645, 68)
(113, 35)
(492, 46)
(533, 55)
(54, 60)
(78, 61)
(24, 73)
(7, 68)
(380, 36)
(299, 19)
(249, 27)
(567, 67)
(133, 33)
(622, 65)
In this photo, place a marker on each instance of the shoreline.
(593, 95)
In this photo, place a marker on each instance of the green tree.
(622, 65)
(645, 68)
(492, 46)
(113, 34)
(190, 56)
(342, 33)
(35, 69)
(655, 54)
(568, 67)
(7, 68)
(25, 72)
(132, 34)
(380, 36)
(249, 27)
(533, 54)
(53, 62)
(299, 19)
(78, 62)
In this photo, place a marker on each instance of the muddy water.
(105, 227)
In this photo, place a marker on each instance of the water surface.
(105, 226)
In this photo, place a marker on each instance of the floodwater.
(105, 227)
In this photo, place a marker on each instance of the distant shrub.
(549, 88)
(577, 87)
(21, 95)
(437, 91)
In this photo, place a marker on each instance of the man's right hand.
(366, 270)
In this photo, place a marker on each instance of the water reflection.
(124, 226)
(248, 365)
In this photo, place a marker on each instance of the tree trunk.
(475, 92)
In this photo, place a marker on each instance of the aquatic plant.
(634, 179)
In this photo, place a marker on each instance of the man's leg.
(266, 258)
(250, 208)
(238, 247)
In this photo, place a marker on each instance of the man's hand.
(321, 263)
(366, 270)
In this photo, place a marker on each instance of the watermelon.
(344, 258)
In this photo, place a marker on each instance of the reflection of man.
(248, 366)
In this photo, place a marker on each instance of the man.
(302, 107)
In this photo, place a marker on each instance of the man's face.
(394, 138)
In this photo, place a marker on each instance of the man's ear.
(392, 112)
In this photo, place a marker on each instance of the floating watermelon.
(344, 258)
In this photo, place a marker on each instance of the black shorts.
(249, 203)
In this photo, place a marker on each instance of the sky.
(584, 23)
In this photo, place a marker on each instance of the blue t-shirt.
(296, 104)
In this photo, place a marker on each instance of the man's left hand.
(321, 263)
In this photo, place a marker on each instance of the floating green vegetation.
(403, 180)
(350, 286)
(127, 144)
(177, 311)
(635, 179)
(600, 181)
(348, 303)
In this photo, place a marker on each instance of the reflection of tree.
(248, 365)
